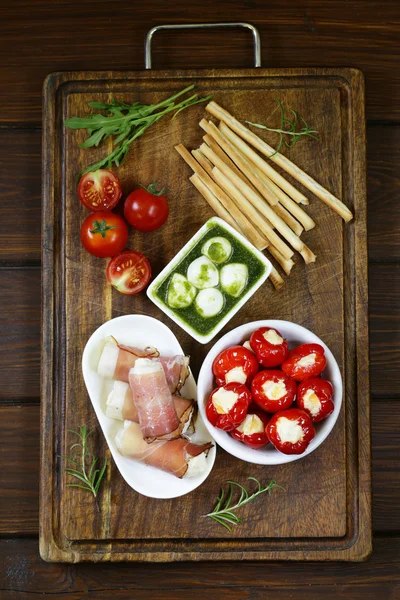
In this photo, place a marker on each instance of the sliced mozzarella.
(251, 424)
(202, 273)
(289, 431)
(224, 400)
(181, 292)
(312, 402)
(196, 465)
(218, 249)
(236, 374)
(209, 302)
(144, 366)
(306, 361)
(275, 390)
(116, 399)
(234, 278)
(272, 337)
(247, 346)
(108, 360)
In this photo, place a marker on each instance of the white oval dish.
(296, 335)
(141, 331)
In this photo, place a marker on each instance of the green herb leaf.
(288, 127)
(124, 123)
(223, 511)
(85, 462)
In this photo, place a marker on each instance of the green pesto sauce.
(240, 254)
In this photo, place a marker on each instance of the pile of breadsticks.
(248, 193)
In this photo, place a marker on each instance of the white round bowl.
(296, 335)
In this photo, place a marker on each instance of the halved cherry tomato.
(290, 431)
(270, 346)
(129, 272)
(146, 209)
(315, 397)
(227, 406)
(305, 361)
(104, 234)
(252, 431)
(99, 190)
(235, 364)
(273, 390)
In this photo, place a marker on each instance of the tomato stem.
(152, 189)
(102, 227)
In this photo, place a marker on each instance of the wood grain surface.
(315, 297)
(39, 37)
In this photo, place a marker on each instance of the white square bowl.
(151, 290)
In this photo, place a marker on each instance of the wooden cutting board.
(323, 511)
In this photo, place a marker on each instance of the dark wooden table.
(39, 37)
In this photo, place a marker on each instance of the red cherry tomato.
(104, 234)
(315, 397)
(235, 364)
(272, 390)
(252, 431)
(305, 361)
(270, 346)
(290, 431)
(99, 190)
(146, 209)
(129, 272)
(227, 406)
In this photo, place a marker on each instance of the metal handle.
(254, 31)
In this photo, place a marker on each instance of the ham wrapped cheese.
(120, 405)
(153, 400)
(179, 457)
(117, 360)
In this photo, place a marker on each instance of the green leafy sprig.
(84, 464)
(223, 511)
(125, 123)
(288, 127)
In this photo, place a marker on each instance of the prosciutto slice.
(179, 457)
(120, 405)
(117, 360)
(153, 399)
(176, 370)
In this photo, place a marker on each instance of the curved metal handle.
(254, 31)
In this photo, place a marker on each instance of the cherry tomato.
(235, 364)
(305, 361)
(272, 390)
(99, 190)
(290, 431)
(104, 234)
(227, 406)
(270, 346)
(129, 272)
(315, 397)
(252, 431)
(146, 209)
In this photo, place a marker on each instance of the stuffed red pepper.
(235, 364)
(305, 361)
(252, 431)
(290, 431)
(227, 406)
(270, 346)
(315, 397)
(273, 390)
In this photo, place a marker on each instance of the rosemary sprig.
(126, 122)
(223, 511)
(288, 127)
(85, 464)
